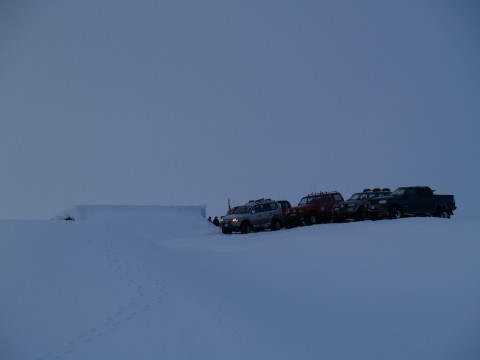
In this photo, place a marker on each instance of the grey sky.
(187, 102)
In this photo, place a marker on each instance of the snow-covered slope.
(163, 283)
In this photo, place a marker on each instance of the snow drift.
(129, 212)
(163, 283)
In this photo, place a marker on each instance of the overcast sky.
(193, 102)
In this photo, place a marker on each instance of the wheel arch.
(393, 207)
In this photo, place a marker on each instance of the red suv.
(312, 209)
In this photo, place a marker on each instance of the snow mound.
(124, 212)
(164, 222)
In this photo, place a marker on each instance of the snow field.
(162, 282)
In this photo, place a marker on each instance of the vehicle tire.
(276, 225)
(442, 213)
(245, 228)
(338, 219)
(310, 219)
(360, 215)
(290, 224)
(394, 212)
(226, 231)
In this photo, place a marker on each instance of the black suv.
(356, 208)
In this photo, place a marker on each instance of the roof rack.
(322, 193)
(262, 200)
(377, 190)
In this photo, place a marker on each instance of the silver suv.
(254, 215)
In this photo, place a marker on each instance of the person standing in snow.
(216, 222)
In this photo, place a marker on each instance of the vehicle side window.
(423, 192)
(273, 206)
(284, 205)
(266, 207)
(257, 209)
(411, 193)
(337, 197)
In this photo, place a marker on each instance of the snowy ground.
(163, 283)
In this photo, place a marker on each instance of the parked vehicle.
(356, 208)
(312, 209)
(255, 215)
(285, 204)
(412, 201)
(231, 211)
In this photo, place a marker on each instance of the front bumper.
(293, 217)
(230, 225)
(377, 211)
(349, 211)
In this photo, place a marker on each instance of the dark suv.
(356, 208)
(312, 209)
(255, 215)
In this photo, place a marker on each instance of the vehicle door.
(326, 204)
(317, 205)
(426, 201)
(256, 218)
(410, 201)
(268, 213)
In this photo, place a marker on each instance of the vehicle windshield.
(399, 192)
(242, 210)
(360, 196)
(306, 200)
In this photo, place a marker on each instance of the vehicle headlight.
(234, 220)
(382, 201)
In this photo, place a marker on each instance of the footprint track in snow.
(138, 304)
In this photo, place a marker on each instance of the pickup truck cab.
(412, 201)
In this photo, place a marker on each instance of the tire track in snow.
(140, 302)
